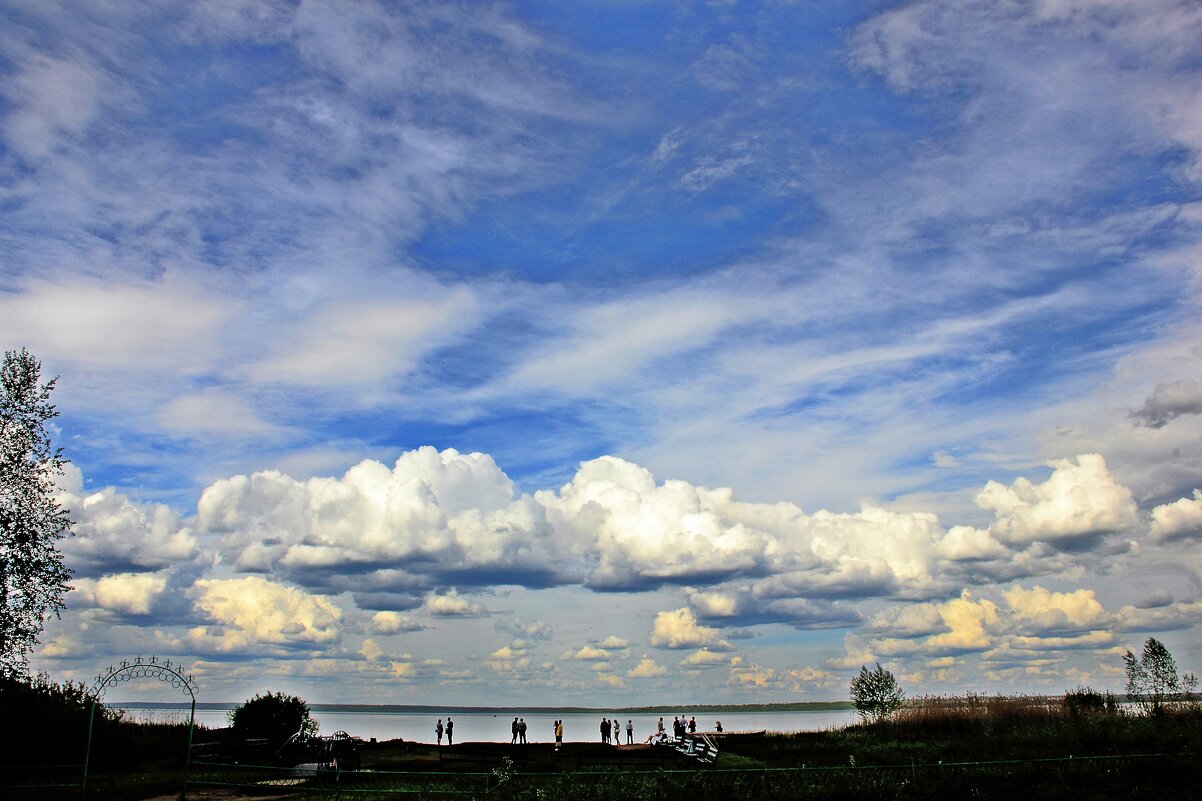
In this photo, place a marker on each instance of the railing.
(31, 778)
(701, 782)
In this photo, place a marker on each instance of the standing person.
(438, 731)
(693, 725)
(661, 725)
(522, 731)
(604, 730)
(630, 732)
(450, 731)
(617, 730)
(513, 729)
(558, 734)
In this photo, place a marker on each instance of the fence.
(699, 783)
(41, 779)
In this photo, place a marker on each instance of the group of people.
(611, 731)
(519, 731)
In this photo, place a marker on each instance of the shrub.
(274, 717)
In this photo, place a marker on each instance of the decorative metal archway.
(151, 668)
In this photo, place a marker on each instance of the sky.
(613, 352)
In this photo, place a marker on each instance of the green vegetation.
(876, 694)
(33, 578)
(273, 717)
(1153, 680)
(46, 724)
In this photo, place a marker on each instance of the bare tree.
(33, 578)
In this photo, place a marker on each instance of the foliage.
(33, 579)
(1152, 678)
(274, 717)
(876, 693)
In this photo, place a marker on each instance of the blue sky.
(525, 350)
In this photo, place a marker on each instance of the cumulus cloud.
(586, 653)
(253, 611)
(512, 658)
(706, 658)
(1179, 520)
(389, 622)
(1039, 611)
(114, 533)
(1080, 500)
(647, 669)
(126, 593)
(442, 514)
(1169, 401)
(452, 604)
(679, 629)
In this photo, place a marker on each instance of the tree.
(274, 717)
(1152, 678)
(33, 579)
(876, 693)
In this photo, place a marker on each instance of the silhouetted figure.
(630, 732)
(604, 730)
(522, 731)
(450, 732)
(438, 731)
(513, 728)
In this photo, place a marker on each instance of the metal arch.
(143, 669)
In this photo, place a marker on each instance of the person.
(450, 731)
(617, 730)
(693, 725)
(718, 726)
(661, 725)
(513, 732)
(438, 731)
(630, 732)
(657, 737)
(558, 734)
(522, 731)
(604, 730)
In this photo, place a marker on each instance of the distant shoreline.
(427, 709)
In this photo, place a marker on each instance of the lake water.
(387, 723)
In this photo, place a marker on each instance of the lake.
(474, 725)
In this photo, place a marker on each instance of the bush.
(274, 717)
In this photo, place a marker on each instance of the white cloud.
(1181, 519)
(171, 324)
(113, 531)
(706, 658)
(388, 622)
(647, 669)
(355, 343)
(1039, 611)
(679, 629)
(127, 593)
(252, 611)
(586, 653)
(1079, 500)
(213, 411)
(452, 604)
